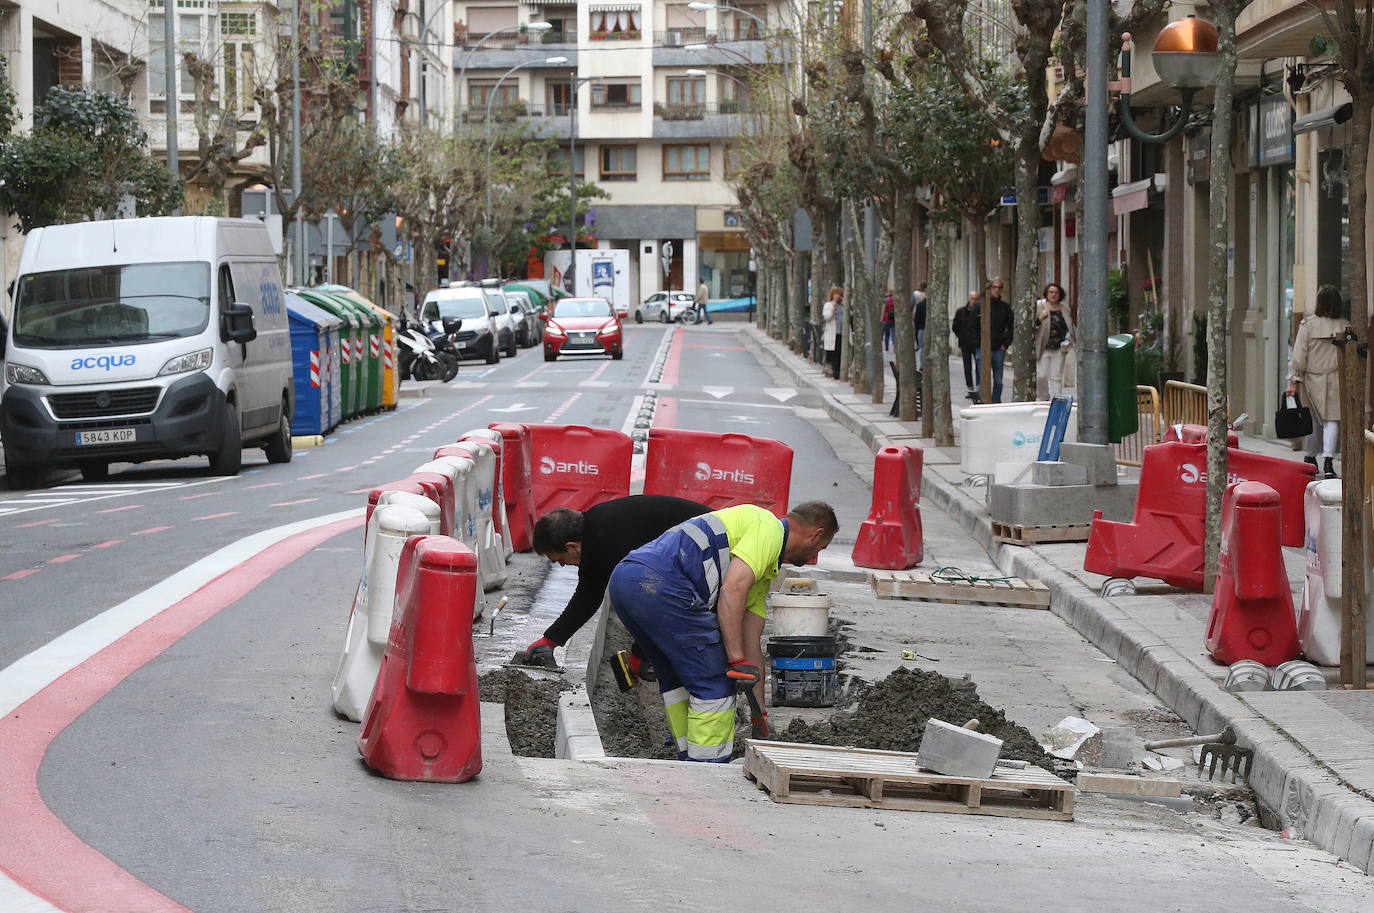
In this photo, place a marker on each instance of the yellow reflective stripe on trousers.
(675, 708)
(710, 728)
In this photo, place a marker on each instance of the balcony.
(778, 48)
(676, 38)
(542, 120)
(701, 121)
(503, 58)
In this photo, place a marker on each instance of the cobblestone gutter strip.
(1303, 793)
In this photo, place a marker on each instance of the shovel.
(1219, 748)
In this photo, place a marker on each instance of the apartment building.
(661, 91)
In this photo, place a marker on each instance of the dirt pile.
(531, 709)
(891, 715)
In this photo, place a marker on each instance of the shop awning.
(1127, 198)
(1326, 117)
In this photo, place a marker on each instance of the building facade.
(661, 90)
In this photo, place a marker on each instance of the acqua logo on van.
(107, 362)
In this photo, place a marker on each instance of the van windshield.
(448, 308)
(111, 305)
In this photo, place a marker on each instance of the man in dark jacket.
(999, 312)
(595, 541)
(969, 336)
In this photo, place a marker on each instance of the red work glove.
(760, 725)
(743, 673)
(540, 653)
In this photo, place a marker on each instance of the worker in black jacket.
(595, 541)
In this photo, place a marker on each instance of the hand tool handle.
(1225, 737)
(756, 712)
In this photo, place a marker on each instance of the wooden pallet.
(862, 778)
(1014, 534)
(1026, 594)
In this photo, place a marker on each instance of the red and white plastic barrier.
(719, 470)
(892, 538)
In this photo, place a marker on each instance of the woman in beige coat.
(1054, 338)
(1313, 371)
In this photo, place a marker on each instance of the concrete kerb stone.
(1284, 777)
(577, 737)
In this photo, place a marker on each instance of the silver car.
(665, 307)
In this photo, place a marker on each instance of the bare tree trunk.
(777, 281)
(904, 343)
(937, 332)
(1027, 261)
(1218, 240)
(820, 288)
(980, 261)
(796, 301)
(849, 243)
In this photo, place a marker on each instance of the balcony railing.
(676, 38)
(466, 40)
(669, 111)
(509, 111)
(627, 35)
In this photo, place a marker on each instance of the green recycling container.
(1123, 417)
(350, 367)
(369, 348)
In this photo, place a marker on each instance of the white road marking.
(781, 394)
(40, 500)
(718, 392)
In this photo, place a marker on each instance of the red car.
(582, 326)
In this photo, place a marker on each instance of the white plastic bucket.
(798, 610)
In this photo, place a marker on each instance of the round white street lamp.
(1185, 57)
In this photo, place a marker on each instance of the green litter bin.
(369, 348)
(350, 367)
(1123, 417)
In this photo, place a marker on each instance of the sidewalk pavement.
(1314, 751)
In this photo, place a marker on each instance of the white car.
(665, 307)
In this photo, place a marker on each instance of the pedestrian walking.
(999, 312)
(703, 297)
(918, 318)
(1312, 371)
(595, 541)
(889, 319)
(694, 601)
(832, 312)
(1056, 359)
(969, 336)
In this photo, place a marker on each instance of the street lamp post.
(575, 83)
(536, 27)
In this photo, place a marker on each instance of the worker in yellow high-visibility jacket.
(694, 601)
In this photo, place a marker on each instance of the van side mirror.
(236, 324)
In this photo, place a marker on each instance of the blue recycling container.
(315, 362)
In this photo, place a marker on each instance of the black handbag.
(1292, 419)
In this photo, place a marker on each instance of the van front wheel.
(95, 470)
(279, 445)
(19, 476)
(228, 459)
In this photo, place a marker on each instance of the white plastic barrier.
(499, 506)
(416, 502)
(491, 554)
(1319, 610)
(461, 470)
(369, 623)
(1006, 433)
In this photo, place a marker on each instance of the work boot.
(1329, 469)
(1310, 459)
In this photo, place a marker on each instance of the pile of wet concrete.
(531, 709)
(891, 715)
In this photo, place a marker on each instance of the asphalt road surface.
(188, 759)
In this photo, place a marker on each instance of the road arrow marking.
(718, 392)
(781, 394)
(518, 407)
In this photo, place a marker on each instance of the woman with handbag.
(1313, 372)
(832, 312)
(1054, 336)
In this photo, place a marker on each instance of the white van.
(144, 339)
(486, 331)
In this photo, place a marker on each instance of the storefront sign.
(1275, 145)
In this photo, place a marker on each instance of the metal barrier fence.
(1131, 450)
(1184, 404)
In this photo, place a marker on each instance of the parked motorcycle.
(419, 358)
(445, 340)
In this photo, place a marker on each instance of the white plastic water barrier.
(1319, 610)
(1004, 433)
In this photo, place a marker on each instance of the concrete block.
(1118, 748)
(1098, 459)
(1359, 851)
(576, 736)
(1047, 472)
(958, 752)
(1336, 815)
(1060, 505)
